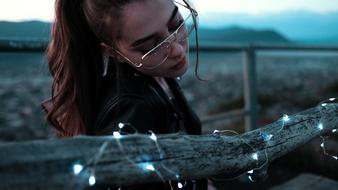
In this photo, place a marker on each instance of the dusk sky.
(16, 10)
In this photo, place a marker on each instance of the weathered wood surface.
(47, 164)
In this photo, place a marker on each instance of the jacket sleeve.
(134, 112)
(143, 116)
(137, 113)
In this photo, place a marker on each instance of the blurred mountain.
(297, 25)
(24, 30)
(41, 30)
(241, 35)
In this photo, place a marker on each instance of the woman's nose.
(176, 50)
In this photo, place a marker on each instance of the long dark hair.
(75, 60)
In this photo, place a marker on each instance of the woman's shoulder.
(134, 88)
(128, 108)
(134, 101)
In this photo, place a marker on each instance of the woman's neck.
(162, 82)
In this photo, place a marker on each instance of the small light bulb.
(251, 179)
(332, 99)
(334, 130)
(121, 125)
(320, 126)
(270, 136)
(324, 104)
(266, 136)
(92, 180)
(117, 135)
(255, 156)
(77, 168)
(179, 185)
(335, 157)
(250, 172)
(150, 167)
(286, 118)
(153, 136)
(322, 145)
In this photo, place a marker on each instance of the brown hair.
(75, 60)
(74, 57)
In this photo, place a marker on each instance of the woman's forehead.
(144, 18)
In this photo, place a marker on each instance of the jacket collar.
(132, 72)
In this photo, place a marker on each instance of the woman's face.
(147, 23)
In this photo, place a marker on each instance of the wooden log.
(132, 158)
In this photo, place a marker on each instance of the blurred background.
(286, 79)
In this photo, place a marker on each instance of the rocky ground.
(24, 83)
(285, 84)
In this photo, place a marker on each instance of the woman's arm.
(134, 112)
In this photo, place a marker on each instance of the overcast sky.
(16, 10)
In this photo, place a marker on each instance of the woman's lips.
(179, 65)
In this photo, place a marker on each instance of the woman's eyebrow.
(149, 37)
(173, 14)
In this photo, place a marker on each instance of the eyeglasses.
(160, 53)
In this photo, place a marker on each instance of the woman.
(115, 61)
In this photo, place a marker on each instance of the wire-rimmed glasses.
(160, 53)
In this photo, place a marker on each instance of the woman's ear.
(108, 50)
(116, 55)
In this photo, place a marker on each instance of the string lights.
(92, 180)
(77, 168)
(117, 134)
(148, 167)
(321, 127)
(254, 156)
(286, 118)
(265, 136)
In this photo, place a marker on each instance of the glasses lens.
(184, 31)
(156, 56)
(159, 55)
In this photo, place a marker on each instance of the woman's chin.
(174, 71)
(181, 70)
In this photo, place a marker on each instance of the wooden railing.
(123, 160)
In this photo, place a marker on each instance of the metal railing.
(249, 75)
(23, 45)
(249, 112)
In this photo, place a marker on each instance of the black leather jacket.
(133, 98)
